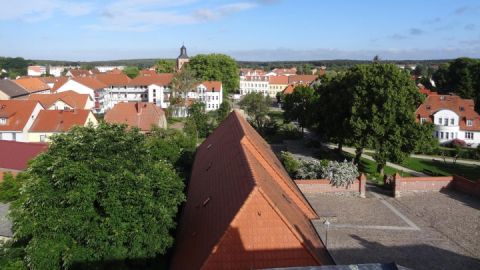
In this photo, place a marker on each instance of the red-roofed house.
(141, 115)
(83, 85)
(33, 85)
(16, 118)
(15, 155)
(277, 84)
(210, 93)
(64, 100)
(49, 122)
(243, 211)
(453, 117)
(78, 73)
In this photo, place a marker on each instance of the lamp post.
(327, 223)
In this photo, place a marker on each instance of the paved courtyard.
(420, 231)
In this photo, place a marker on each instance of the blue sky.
(245, 29)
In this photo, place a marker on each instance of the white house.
(254, 84)
(16, 118)
(36, 70)
(210, 93)
(453, 117)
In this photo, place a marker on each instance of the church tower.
(182, 58)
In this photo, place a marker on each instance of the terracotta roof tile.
(71, 98)
(90, 82)
(137, 114)
(58, 83)
(15, 155)
(162, 79)
(212, 86)
(32, 85)
(243, 211)
(278, 80)
(17, 112)
(59, 120)
(302, 79)
(464, 108)
(112, 79)
(80, 72)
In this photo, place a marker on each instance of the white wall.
(77, 87)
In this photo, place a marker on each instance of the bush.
(340, 174)
(290, 163)
(310, 169)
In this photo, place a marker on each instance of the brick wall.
(316, 186)
(413, 184)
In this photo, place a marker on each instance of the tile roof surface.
(112, 79)
(212, 86)
(12, 89)
(32, 85)
(162, 79)
(243, 211)
(59, 120)
(15, 155)
(136, 114)
(304, 79)
(17, 113)
(90, 82)
(278, 79)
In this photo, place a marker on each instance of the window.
(436, 134)
(452, 121)
(3, 121)
(423, 120)
(42, 138)
(446, 121)
(447, 135)
(469, 135)
(469, 123)
(441, 135)
(440, 120)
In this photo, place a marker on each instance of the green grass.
(369, 168)
(439, 168)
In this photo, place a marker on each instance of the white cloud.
(37, 10)
(145, 15)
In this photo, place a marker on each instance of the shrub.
(310, 169)
(340, 174)
(290, 163)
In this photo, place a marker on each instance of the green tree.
(223, 111)
(299, 106)
(131, 72)
(97, 195)
(10, 187)
(426, 143)
(216, 67)
(183, 82)
(256, 105)
(165, 66)
(197, 113)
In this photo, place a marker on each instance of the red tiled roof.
(59, 120)
(162, 79)
(278, 80)
(32, 85)
(15, 155)
(71, 98)
(17, 112)
(80, 72)
(58, 83)
(136, 114)
(464, 108)
(147, 72)
(285, 71)
(304, 79)
(243, 211)
(112, 79)
(90, 82)
(115, 71)
(212, 86)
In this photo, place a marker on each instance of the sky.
(253, 30)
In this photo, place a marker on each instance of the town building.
(302, 79)
(283, 72)
(50, 122)
(36, 71)
(254, 84)
(78, 73)
(11, 90)
(183, 58)
(243, 210)
(141, 115)
(454, 118)
(16, 118)
(208, 92)
(64, 100)
(276, 84)
(105, 69)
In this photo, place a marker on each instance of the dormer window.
(462, 109)
(3, 121)
(423, 120)
(469, 122)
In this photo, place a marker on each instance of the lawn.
(369, 168)
(438, 168)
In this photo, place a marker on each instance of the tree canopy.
(299, 106)
(256, 105)
(131, 71)
(98, 194)
(374, 108)
(165, 66)
(216, 67)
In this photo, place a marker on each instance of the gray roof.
(5, 223)
(12, 89)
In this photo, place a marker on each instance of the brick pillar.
(397, 185)
(362, 180)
